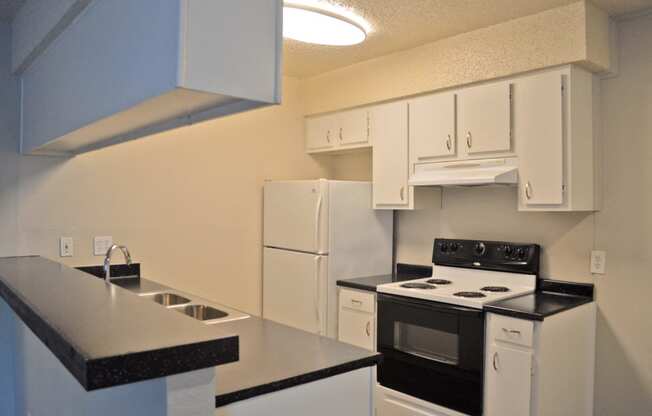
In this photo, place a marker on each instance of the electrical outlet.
(598, 261)
(66, 247)
(101, 245)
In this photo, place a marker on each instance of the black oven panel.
(487, 255)
(433, 351)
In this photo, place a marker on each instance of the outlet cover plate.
(101, 245)
(598, 261)
(66, 247)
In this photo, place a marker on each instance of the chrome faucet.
(107, 260)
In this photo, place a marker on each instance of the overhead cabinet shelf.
(123, 70)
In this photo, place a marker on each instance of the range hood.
(466, 173)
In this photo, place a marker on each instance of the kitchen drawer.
(512, 330)
(357, 300)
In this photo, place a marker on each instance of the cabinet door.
(389, 132)
(508, 382)
(353, 127)
(485, 118)
(432, 127)
(538, 131)
(356, 328)
(320, 132)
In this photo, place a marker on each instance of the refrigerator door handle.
(317, 292)
(317, 223)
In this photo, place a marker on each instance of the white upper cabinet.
(554, 114)
(432, 127)
(320, 133)
(354, 127)
(342, 131)
(105, 79)
(484, 119)
(389, 133)
(539, 127)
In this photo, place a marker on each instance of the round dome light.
(317, 26)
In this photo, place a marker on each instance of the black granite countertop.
(103, 334)
(275, 357)
(272, 356)
(404, 272)
(552, 297)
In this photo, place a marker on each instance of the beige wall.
(623, 228)
(574, 33)
(186, 202)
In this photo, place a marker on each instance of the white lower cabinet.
(509, 375)
(540, 368)
(357, 318)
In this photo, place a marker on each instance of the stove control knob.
(508, 251)
(455, 247)
(520, 253)
(444, 247)
(480, 249)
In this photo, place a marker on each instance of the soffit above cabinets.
(399, 25)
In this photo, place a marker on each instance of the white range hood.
(467, 172)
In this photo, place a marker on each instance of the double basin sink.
(188, 305)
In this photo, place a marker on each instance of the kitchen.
(188, 202)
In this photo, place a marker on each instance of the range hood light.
(312, 25)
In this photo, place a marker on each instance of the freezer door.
(294, 289)
(295, 215)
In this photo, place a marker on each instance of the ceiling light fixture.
(323, 25)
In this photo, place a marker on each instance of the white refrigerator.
(315, 233)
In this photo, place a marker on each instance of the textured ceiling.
(8, 8)
(403, 24)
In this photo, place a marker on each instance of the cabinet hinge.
(368, 127)
(532, 364)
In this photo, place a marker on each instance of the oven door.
(433, 351)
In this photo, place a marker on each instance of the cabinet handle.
(402, 193)
(328, 136)
(449, 144)
(512, 331)
(495, 361)
(340, 134)
(528, 190)
(368, 329)
(469, 140)
(356, 302)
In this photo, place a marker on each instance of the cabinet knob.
(469, 140)
(368, 329)
(449, 143)
(528, 190)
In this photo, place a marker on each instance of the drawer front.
(512, 330)
(356, 300)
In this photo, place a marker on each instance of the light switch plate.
(598, 261)
(66, 247)
(101, 245)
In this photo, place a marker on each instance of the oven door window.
(429, 343)
(426, 332)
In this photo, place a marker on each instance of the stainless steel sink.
(170, 299)
(202, 312)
